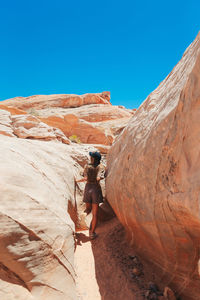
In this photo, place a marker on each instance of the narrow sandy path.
(104, 267)
(87, 286)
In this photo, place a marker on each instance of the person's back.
(92, 192)
(91, 173)
(94, 172)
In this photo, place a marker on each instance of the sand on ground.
(104, 265)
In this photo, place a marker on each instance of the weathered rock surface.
(12, 110)
(85, 131)
(36, 232)
(90, 113)
(154, 175)
(38, 192)
(44, 101)
(27, 126)
(92, 124)
(113, 127)
(91, 117)
(5, 123)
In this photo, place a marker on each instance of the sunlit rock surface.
(6, 123)
(36, 231)
(28, 126)
(60, 100)
(39, 200)
(90, 118)
(154, 175)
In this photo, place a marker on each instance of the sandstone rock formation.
(154, 175)
(85, 131)
(90, 113)
(38, 209)
(39, 205)
(43, 101)
(28, 126)
(90, 117)
(5, 123)
(36, 232)
(93, 124)
(12, 110)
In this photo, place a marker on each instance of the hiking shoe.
(93, 235)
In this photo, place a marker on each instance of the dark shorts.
(93, 193)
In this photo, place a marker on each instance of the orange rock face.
(44, 101)
(154, 175)
(27, 126)
(93, 124)
(90, 117)
(13, 110)
(86, 132)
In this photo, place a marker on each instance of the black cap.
(96, 155)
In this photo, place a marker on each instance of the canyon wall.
(37, 242)
(154, 174)
(39, 203)
(37, 207)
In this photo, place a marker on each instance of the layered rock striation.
(36, 210)
(90, 118)
(154, 175)
(39, 202)
(28, 126)
(60, 100)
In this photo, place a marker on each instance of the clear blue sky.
(74, 46)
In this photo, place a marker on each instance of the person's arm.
(84, 174)
(81, 180)
(102, 173)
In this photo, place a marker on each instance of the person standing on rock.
(93, 193)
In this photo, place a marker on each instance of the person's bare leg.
(88, 208)
(94, 217)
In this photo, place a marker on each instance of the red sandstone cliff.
(153, 185)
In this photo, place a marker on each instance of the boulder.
(154, 174)
(37, 233)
